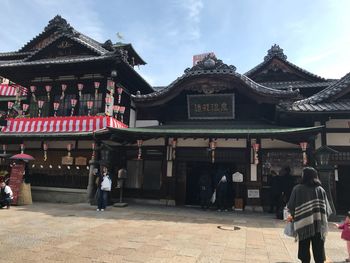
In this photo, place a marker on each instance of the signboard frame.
(192, 97)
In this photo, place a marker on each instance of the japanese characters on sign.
(211, 106)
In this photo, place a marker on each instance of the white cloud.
(192, 19)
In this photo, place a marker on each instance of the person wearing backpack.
(104, 186)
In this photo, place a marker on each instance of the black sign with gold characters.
(211, 106)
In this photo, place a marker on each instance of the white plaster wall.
(61, 144)
(154, 142)
(146, 123)
(338, 139)
(341, 123)
(32, 144)
(85, 145)
(268, 144)
(132, 120)
(231, 143)
(192, 143)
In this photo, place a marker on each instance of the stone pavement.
(45, 232)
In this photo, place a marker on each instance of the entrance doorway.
(194, 171)
(343, 193)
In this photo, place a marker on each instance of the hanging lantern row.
(120, 91)
(80, 89)
(9, 107)
(56, 105)
(139, 145)
(111, 86)
(96, 85)
(89, 105)
(45, 147)
(212, 146)
(73, 102)
(63, 87)
(255, 147)
(119, 110)
(25, 108)
(40, 107)
(303, 146)
(60, 167)
(32, 90)
(48, 89)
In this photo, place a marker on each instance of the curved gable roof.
(275, 52)
(212, 67)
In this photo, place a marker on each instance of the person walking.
(104, 186)
(345, 234)
(309, 209)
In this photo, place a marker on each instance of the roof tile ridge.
(325, 93)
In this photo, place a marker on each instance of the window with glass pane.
(34, 109)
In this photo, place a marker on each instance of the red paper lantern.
(121, 109)
(10, 105)
(80, 88)
(40, 104)
(48, 88)
(25, 107)
(73, 102)
(32, 89)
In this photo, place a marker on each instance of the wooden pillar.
(94, 163)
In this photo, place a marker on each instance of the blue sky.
(314, 34)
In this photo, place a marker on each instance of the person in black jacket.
(275, 192)
(205, 189)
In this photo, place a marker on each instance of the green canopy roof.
(259, 131)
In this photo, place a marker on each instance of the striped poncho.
(310, 209)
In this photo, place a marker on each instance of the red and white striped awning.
(61, 124)
(11, 90)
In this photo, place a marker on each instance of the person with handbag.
(104, 186)
(309, 209)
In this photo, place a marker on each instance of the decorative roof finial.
(275, 51)
(59, 22)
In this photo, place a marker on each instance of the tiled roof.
(77, 59)
(276, 52)
(340, 106)
(298, 84)
(211, 66)
(330, 93)
(15, 53)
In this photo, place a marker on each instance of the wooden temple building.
(84, 106)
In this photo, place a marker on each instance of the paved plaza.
(45, 232)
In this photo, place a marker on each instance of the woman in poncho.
(309, 208)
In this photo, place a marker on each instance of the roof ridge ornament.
(210, 63)
(60, 23)
(275, 51)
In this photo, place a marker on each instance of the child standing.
(346, 233)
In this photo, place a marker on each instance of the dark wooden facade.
(276, 105)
